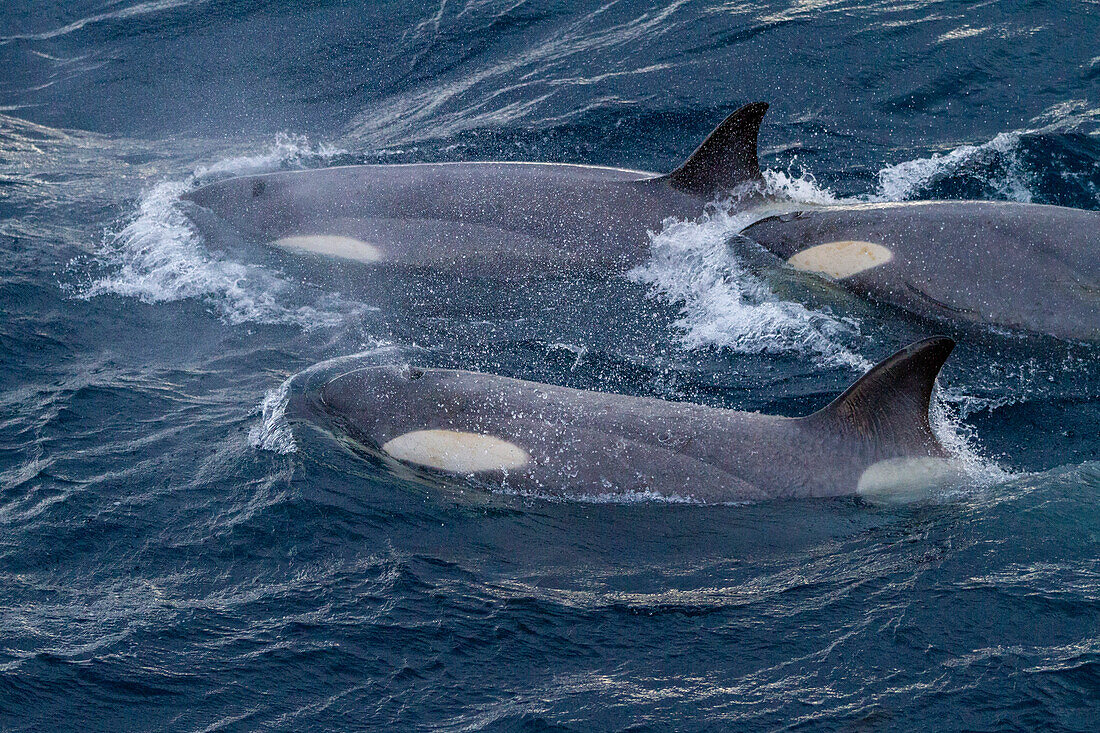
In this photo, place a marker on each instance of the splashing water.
(996, 162)
(159, 257)
(946, 416)
(800, 189)
(724, 305)
(271, 432)
(285, 151)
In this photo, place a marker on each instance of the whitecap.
(272, 432)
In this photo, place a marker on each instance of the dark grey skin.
(498, 219)
(1017, 266)
(593, 444)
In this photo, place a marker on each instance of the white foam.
(996, 162)
(633, 496)
(285, 151)
(800, 189)
(724, 305)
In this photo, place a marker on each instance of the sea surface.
(176, 555)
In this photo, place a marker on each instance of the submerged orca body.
(1019, 266)
(554, 441)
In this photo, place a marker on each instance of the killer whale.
(1023, 267)
(554, 441)
(494, 219)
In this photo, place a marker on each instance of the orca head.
(366, 389)
(244, 199)
(409, 415)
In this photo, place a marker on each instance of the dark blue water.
(175, 555)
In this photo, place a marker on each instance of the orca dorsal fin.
(727, 157)
(889, 404)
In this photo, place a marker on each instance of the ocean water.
(176, 555)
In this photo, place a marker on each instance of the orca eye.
(258, 188)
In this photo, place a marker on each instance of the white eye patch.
(346, 248)
(456, 452)
(839, 260)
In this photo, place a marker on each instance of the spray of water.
(724, 305)
(272, 432)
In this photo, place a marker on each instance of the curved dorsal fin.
(889, 404)
(727, 157)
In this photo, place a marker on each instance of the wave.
(284, 152)
(520, 88)
(272, 432)
(997, 163)
(1004, 167)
